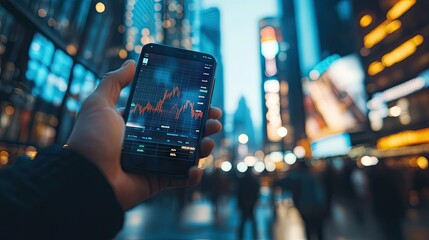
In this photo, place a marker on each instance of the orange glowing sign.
(365, 21)
(397, 55)
(387, 27)
(403, 139)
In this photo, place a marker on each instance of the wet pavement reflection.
(163, 218)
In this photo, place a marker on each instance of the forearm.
(58, 195)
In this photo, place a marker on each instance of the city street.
(158, 219)
(291, 119)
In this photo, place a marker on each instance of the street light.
(276, 156)
(250, 161)
(290, 158)
(259, 167)
(226, 166)
(242, 167)
(270, 166)
(100, 7)
(299, 151)
(282, 132)
(243, 138)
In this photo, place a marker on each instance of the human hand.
(99, 132)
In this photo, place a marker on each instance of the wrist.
(119, 193)
(113, 179)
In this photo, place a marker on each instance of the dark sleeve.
(58, 195)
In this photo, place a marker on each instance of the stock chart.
(175, 109)
(168, 103)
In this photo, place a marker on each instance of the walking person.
(308, 196)
(247, 195)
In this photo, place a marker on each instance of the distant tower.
(243, 123)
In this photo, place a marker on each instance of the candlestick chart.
(176, 109)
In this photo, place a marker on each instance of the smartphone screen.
(167, 109)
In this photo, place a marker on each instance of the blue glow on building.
(49, 69)
(307, 35)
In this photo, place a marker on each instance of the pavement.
(163, 217)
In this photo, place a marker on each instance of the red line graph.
(158, 108)
(196, 114)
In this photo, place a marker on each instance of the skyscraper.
(314, 46)
(144, 24)
(275, 87)
(159, 21)
(340, 39)
(243, 124)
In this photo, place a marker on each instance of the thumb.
(113, 82)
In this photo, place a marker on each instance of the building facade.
(52, 55)
(159, 21)
(393, 43)
(275, 87)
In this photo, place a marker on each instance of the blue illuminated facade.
(52, 54)
(49, 70)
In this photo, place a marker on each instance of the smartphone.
(166, 110)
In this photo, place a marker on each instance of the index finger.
(195, 175)
(215, 113)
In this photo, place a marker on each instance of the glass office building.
(52, 54)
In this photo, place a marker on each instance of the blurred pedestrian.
(220, 190)
(360, 187)
(389, 200)
(308, 196)
(247, 196)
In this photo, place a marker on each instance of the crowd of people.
(378, 193)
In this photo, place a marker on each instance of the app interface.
(167, 108)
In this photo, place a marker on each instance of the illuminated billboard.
(334, 145)
(403, 103)
(334, 98)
